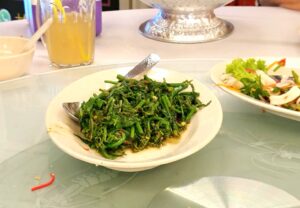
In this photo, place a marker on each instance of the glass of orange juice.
(70, 39)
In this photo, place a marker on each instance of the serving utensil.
(72, 108)
(36, 36)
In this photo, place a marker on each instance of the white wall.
(132, 4)
(138, 4)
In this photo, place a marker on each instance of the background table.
(251, 144)
(259, 31)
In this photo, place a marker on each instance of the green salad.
(253, 77)
(136, 114)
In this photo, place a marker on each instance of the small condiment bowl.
(12, 63)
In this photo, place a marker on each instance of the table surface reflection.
(251, 144)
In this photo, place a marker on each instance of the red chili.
(282, 62)
(52, 179)
(251, 71)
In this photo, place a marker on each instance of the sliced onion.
(287, 97)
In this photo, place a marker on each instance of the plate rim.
(140, 164)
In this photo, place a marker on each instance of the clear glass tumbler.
(70, 40)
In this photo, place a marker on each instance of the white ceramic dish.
(14, 64)
(291, 63)
(202, 129)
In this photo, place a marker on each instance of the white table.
(259, 31)
(251, 144)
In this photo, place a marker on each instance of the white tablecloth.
(259, 31)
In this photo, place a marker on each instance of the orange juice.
(70, 41)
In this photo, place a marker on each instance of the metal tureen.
(186, 21)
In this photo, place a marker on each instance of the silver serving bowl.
(186, 21)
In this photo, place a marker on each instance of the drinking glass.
(70, 39)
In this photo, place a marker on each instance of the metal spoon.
(72, 108)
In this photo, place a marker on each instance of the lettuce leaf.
(238, 68)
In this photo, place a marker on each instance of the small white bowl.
(13, 64)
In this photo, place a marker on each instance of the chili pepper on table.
(43, 185)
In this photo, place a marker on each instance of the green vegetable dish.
(136, 114)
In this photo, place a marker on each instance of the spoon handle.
(37, 35)
(141, 68)
(144, 66)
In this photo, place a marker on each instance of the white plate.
(202, 129)
(219, 69)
